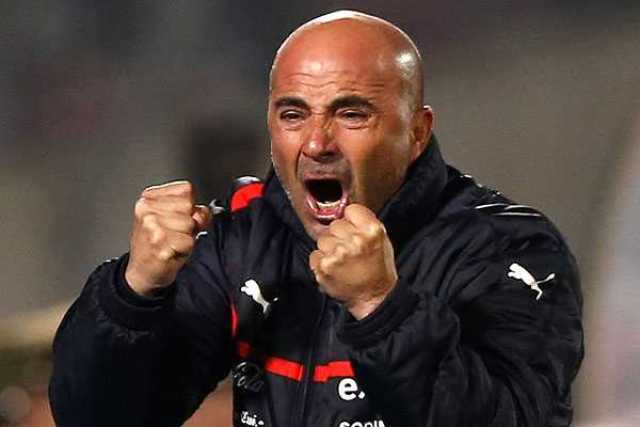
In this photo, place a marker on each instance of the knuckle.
(323, 243)
(340, 252)
(375, 231)
(157, 236)
(325, 266)
(149, 221)
(340, 255)
(328, 264)
(358, 243)
(165, 254)
(314, 260)
(140, 207)
(351, 209)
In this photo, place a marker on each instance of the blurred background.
(98, 99)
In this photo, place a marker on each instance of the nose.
(319, 143)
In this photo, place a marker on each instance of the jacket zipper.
(298, 418)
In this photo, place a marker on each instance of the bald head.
(345, 110)
(365, 39)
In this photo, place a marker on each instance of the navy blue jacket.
(483, 329)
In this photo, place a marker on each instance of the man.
(366, 283)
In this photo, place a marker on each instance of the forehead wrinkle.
(363, 88)
(330, 74)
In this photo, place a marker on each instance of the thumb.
(202, 215)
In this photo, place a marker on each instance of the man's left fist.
(354, 262)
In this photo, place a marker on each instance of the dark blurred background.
(98, 99)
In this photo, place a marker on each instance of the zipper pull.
(248, 376)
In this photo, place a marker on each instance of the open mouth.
(326, 198)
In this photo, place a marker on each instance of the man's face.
(340, 125)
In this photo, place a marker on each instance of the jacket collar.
(408, 209)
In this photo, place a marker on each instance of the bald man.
(364, 283)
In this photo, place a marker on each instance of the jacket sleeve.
(497, 356)
(124, 360)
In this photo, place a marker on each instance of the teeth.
(328, 204)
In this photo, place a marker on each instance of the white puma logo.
(252, 289)
(521, 273)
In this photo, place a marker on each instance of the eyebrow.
(336, 104)
(350, 101)
(291, 101)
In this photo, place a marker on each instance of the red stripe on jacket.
(245, 194)
(295, 371)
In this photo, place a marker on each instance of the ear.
(422, 128)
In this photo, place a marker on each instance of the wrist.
(137, 283)
(365, 306)
(362, 309)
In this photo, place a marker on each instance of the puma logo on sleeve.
(520, 273)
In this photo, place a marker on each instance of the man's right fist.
(164, 232)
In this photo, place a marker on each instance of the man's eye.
(291, 116)
(354, 116)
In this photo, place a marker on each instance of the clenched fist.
(164, 229)
(354, 262)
